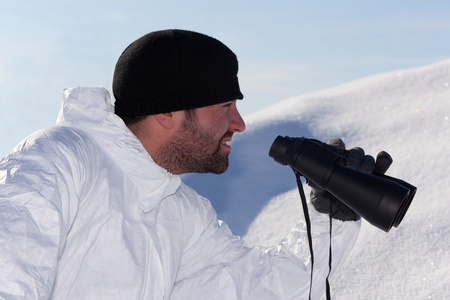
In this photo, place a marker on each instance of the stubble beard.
(192, 150)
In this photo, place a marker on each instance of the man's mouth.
(225, 143)
(226, 140)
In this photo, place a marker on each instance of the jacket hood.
(90, 109)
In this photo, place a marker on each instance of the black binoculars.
(382, 200)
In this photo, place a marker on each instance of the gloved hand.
(356, 159)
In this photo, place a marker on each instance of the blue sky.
(285, 48)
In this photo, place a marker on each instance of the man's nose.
(237, 124)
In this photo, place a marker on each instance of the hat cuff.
(217, 92)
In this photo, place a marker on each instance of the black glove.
(356, 159)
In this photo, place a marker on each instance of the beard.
(193, 149)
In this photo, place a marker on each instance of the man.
(94, 207)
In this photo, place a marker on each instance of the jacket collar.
(90, 109)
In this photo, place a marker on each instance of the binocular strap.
(309, 232)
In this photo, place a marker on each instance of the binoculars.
(381, 200)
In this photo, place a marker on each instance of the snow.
(405, 113)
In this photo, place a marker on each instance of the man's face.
(200, 145)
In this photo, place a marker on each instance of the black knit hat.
(173, 70)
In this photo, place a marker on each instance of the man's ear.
(165, 120)
(170, 120)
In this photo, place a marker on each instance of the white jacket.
(85, 213)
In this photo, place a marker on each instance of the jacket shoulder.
(55, 139)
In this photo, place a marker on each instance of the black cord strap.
(308, 225)
(309, 232)
(329, 259)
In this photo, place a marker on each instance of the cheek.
(222, 129)
(217, 126)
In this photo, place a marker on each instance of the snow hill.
(405, 113)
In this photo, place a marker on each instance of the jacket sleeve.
(38, 201)
(220, 264)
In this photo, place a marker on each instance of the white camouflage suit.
(85, 213)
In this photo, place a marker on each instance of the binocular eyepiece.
(382, 200)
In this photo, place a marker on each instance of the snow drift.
(405, 113)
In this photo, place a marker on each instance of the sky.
(406, 113)
(284, 48)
